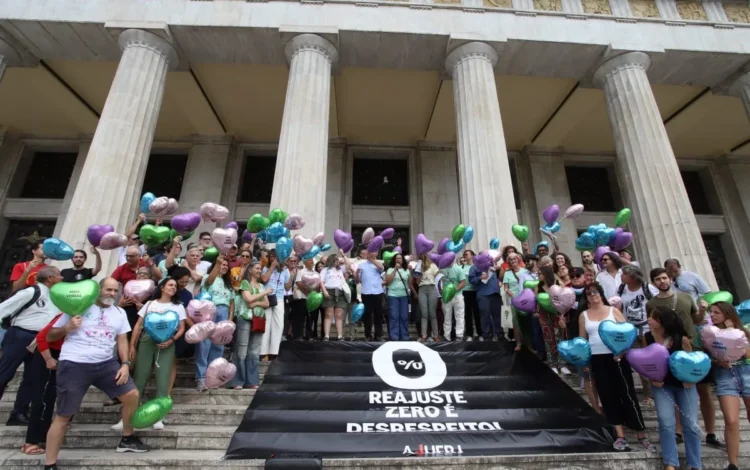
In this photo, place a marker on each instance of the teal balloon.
(151, 412)
(358, 312)
(275, 231)
(314, 251)
(603, 235)
(468, 234)
(455, 247)
(494, 244)
(577, 351)
(690, 367)
(325, 247)
(284, 247)
(146, 201)
(204, 295)
(161, 327)
(617, 337)
(553, 227)
(56, 249)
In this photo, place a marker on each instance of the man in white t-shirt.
(87, 359)
(635, 292)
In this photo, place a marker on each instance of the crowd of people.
(63, 356)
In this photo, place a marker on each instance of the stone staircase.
(201, 424)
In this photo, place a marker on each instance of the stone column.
(299, 183)
(109, 187)
(3, 64)
(668, 9)
(483, 169)
(663, 220)
(335, 186)
(715, 11)
(83, 150)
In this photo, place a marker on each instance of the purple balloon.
(232, 225)
(341, 238)
(423, 244)
(442, 246)
(601, 251)
(247, 236)
(617, 231)
(551, 213)
(434, 257)
(483, 262)
(348, 247)
(387, 234)
(525, 301)
(622, 241)
(446, 260)
(651, 362)
(397, 250)
(375, 244)
(96, 232)
(186, 223)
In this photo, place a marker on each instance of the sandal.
(517, 348)
(31, 449)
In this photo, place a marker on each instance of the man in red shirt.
(24, 274)
(133, 260)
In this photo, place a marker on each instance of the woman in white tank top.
(613, 377)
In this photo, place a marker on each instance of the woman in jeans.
(732, 381)
(333, 282)
(472, 314)
(397, 280)
(667, 329)
(513, 286)
(428, 298)
(250, 302)
(218, 284)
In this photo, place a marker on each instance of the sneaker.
(430, 340)
(469, 339)
(713, 441)
(565, 370)
(18, 419)
(132, 444)
(326, 338)
(459, 339)
(621, 444)
(201, 385)
(117, 427)
(480, 339)
(554, 369)
(368, 339)
(647, 445)
(158, 425)
(731, 466)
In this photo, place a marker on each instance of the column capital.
(311, 42)
(623, 61)
(140, 38)
(471, 50)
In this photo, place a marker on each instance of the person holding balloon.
(335, 303)
(277, 277)
(424, 278)
(552, 322)
(397, 280)
(78, 272)
(488, 298)
(24, 274)
(513, 286)
(454, 307)
(471, 313)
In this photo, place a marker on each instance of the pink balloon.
(446, 260)
(525, 301)
(651, 362)
(200, 332)
(140, 289)
(159, 205)
(96, 232)
(442, 246)
(311, 280)
(728, 344)
(213, 212)
(294, 222)
(375, 244)
(616, 302)
(301, 244)
(367, 235)
(319, 238)
(423, 245)
(573, 211)
(563, 298)
(172, 207)
(112, 240)
(219, 372)
(224, 238)
(201, 310)
(223, 333)
(495, 255)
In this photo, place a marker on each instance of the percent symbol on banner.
(411, 365)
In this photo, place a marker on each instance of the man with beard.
(78, 272)
(587, 259)
(87, 358)
(686, 281)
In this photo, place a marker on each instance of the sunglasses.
(245, 256)
(592, 293)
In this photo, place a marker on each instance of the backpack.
(37, 293)
(646, 291)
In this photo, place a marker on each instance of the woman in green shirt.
(397, 280)
(513, 287)
(218, 284)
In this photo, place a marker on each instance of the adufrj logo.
(424, 450)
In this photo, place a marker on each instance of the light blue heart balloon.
(494, 244)
(455, 247)
(617, 337)
(358, 312)
(689, 367)
(275, 231)
(553, 227)
(146, 201)
(314, 251)
(284, 247)
(577, 351)
(603, 236)
(161, 327)
(325, 247)
(56, 249)
(587, 241)
(743, 310)
(204, 295)
(468, 234)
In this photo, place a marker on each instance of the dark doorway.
(719, 264)
(17, 247)
(402, 232)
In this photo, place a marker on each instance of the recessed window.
(399, 232)
(591, 186)
(48, 175)
(165, 174)
(257, 179)
(380, 182)
(696, 192)
(719, 263)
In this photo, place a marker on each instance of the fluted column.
(741, 88)
(663, 220)
(483, 171)
(110, 183)
(299, 184)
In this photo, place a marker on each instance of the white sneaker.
(117, 427)
(565, 370)
(158, 425)
(469, 339)
(554, 369)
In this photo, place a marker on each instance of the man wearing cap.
(232, 257)
(133, 240)
(626, 257)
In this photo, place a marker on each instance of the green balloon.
(545, 302)
(622, 218)
(314, 299)
(388, 256)
(151, 412)
(277, 215)
(449, 291)
(257, 223)
(521, 232)
(458, 233)
(530, 284)
(173, 233)
(74, 298)
(153, 235)
(210, 253)
(719, 296)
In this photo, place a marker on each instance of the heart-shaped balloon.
(161, 326)
(74, 298)
(525, 301)
(247, 237)
(455, 247)
(551, 213)
(219, 372)
(224, 238)
(387, 234)
(443, 245)
(603, 235)
(375, 244)
(204, 295)
(358, 312)
(423, 245)
(314, 299)
(494, 243)
(210, 254)
(151, 412)
(223, 333)
(146, 201)
(284, 247)
(483, 262)
(294, 221)
(448, 292)
(96, 232)
(434, 257)
(576, 351)
(311, 280)
(348, 247)
(554, 227)
(257, 223)
(275, 231)
(743, 310)
(277, 215)
(327, 246)
(562, 298)
(531, 284)
(388, 256)
(314, 251)
(617, 231)
(367, 235)
(651, 362)
(713, 297)
(601, 251)
(153, 235)
(213, 212)
(458, 233)
(56, 249)
(495, 255)
(616, 302)
(468, 234)
(727, 344)
(199, 332)
(112, 240)
(617, 337)
(586, 242)
(690, 367)
(544, 301)
(622, 218)
(341, 238)
(302, 244)
(185, 223)
(319, 238)
(158, 205)
(573, 211)
(172, 207)
(201, 310)
(397, 249)
(139, 289)
(446, 260)
(521, 232)
(622, 241)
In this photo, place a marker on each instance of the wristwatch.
(126, 363)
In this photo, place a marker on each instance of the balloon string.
(157, 358)
(627, 392)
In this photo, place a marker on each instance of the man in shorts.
(87, 359)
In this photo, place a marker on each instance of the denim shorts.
(733, 382)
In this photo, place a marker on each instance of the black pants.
(287, 315)
(614, 382)
(14, 354)
(373, 310)
(490, 307)
(300, 319)
(43, 395)
(471, 314)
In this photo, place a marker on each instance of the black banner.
(356, 399)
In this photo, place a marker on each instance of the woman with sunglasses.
(612, 375)
(237, 273)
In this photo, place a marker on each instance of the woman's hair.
(568, 262)
(158, 291)
(673, 326)
(731, 314)
(392, 264)
(426, 262)
(614, 257)
(318, 265)
(546, 261)
(249, 271)
(505, 251)
(176, 272)
(547, 275)
(331, 261)
(224, 277)
(599, 288)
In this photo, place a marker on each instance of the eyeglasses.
(245, 256)
(592, 293)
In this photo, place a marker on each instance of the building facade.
(416, 114)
